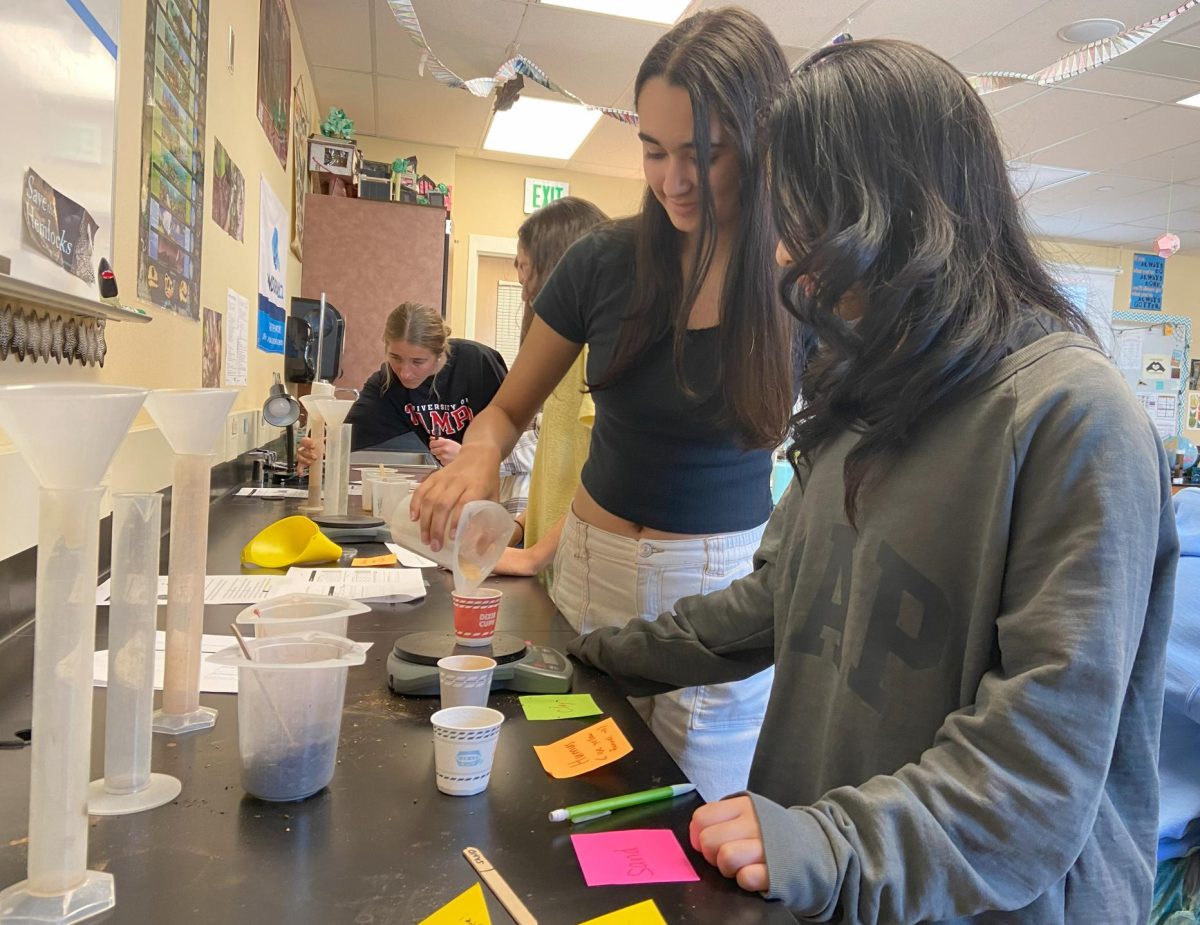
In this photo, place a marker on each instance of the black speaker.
(300, 348)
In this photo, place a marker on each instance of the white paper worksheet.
(214, 679)
(218, 589)
(396, 585)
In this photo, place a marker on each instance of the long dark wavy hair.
(891, 191)
(547, 234)
(730, 65)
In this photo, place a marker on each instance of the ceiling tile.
(1178, 222)
(425, 112)
(1086, 191)
(470, 37)
(1129, 235)
(1031, 43)
(1057, 115)
(1188, 34)
(353, 91)
(929, 24)
(612, 143)
(807, 23)
(1027, 178)
(335, 34)
(1118, 81)
(1167, 59)
(1180, 164)
(596, 70)
(1145, 133)
(395, 53)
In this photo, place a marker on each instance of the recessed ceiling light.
(1193, 100)
(1086, 31)
(660, 11)
(540, 128)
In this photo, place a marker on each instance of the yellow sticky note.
(584, 750)
(376, 561)
(466, 908)
(643, 913)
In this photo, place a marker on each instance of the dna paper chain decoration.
(1082, 60)
(406, 16)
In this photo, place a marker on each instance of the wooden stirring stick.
(262, 687)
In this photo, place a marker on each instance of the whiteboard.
(58, 81)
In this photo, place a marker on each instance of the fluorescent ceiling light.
(1193, 100)
(661, 11)
(540, 128)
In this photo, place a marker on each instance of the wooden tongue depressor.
(497, 884)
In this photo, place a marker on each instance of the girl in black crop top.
(689, 363)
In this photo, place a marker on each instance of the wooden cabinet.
(368, 257)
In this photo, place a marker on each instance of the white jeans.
(602, 579)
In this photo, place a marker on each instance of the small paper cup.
(465, 680)
(464, 746)
(475, 616)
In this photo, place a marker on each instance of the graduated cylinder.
(181, 710)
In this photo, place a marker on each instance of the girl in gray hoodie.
(966, 591)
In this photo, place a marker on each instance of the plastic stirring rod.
(262, 687)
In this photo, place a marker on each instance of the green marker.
(594, 810)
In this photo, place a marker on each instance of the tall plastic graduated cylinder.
(316, 430)
(67, 434)
(337, 453)
(192, 421)
(128, 786)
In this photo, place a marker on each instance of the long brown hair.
(730, 65)
(416, 324)
(890, 186)
(545, 237)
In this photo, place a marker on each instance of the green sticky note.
(559, 706)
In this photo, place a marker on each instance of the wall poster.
(272, 268)
(172, 171)
(275, 74)
(299, 166)
(210, 365)
(229, 193)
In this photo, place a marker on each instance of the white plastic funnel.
(316, 431)
(337, 453)
(68, 435)
(50, 423)
(191, 419)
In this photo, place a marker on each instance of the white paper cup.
(464, 746)
(387, 493)
(466, 680)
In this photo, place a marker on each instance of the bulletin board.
(1152, 354)
(58, 81)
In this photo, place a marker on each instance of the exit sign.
(540, 193)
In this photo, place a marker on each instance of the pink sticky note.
(632, 856)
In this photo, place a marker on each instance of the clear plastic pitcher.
(484, 529)
(290, 711)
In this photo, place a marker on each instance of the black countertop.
(380, 845)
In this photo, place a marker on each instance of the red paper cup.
(475, 616)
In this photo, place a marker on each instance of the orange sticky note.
(643, 913)
(467, 908)
(584, 750)
(376, 561)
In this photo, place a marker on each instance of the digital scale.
(520, 666)
(352, 528)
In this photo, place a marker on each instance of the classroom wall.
(1181, 284)
(166, 353)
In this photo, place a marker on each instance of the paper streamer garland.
(406, 16)
(1082, 60)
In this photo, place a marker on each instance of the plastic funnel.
(291, 541)
(299, 612)
(191, 419)
(49, 423)
(333, 410)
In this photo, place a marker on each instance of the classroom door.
(491, 273)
